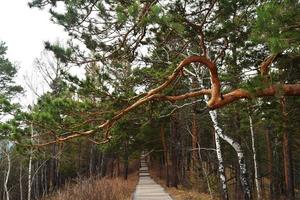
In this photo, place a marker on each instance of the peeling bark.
(221, 167)
(240, 155)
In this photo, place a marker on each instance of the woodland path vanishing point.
(147, 188)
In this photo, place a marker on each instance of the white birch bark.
(257, 183)
(221, 167)
(6, 152)
(239, 151)
(29, 185)
(230, 141)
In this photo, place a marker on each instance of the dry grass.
(184, 194)
(97, 189)
(179, 193)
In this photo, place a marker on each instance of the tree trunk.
(102, 171)
(206, 173)
(112, 167)
(91, 161)
(118, 166)
(194, 141)
(287, 158)
(6, 151)
(126, 160)
(221, 167)
(45, 178)
(240, 155)
(20, 180)
(270, 162)
(166, 158)
(36, 180)
(174, 152)
(52, 175)
(79, 158)
(257, 181)
(29, 185)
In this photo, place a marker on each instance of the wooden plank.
(147, 188)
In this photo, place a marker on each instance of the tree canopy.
(201, 85)
(130, 47)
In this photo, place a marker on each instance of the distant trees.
(177, 61)
(8, 129)
(8, 88)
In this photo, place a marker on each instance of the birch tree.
(207, 28)
(29, 183)
(6, 152)
(256, 175)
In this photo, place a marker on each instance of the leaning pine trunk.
(257, 183)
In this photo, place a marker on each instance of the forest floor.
(97, 189)
(185, 194)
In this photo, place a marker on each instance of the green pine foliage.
(130, 47)
(277, 24)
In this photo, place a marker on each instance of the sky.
(24, 31)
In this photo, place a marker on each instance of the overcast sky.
(24, 30)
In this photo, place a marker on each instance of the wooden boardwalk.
(147, 188)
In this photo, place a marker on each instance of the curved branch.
(235, 95)
(154, 93)
(216, 100)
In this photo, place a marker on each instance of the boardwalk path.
(147, 188)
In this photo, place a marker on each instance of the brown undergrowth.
(97, 189)
(179, 193)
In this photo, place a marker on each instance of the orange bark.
(216, 99)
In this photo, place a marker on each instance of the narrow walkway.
(147, 188)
